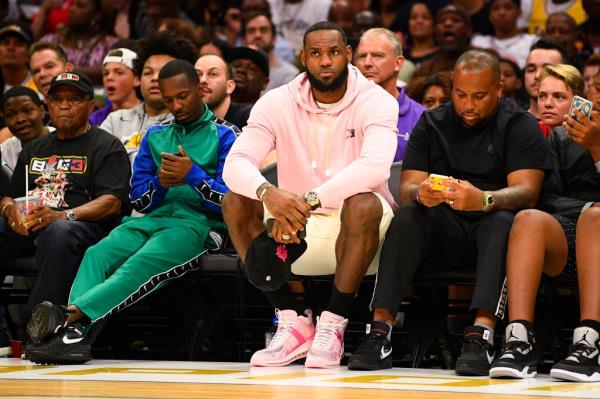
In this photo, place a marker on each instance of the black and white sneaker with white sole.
(477, 353)
(375, 351)
(518, 357)
(69, 345)
(583, 362)
(46, 318)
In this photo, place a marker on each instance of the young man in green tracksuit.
(177, 183)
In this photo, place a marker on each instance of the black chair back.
(5, 175)
(394, 180)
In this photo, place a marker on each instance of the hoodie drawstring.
(327, 144)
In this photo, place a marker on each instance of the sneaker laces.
(325, 330)
(580, 351)
(512, 347)
(475, 339)
(282, 328)
(372, 340)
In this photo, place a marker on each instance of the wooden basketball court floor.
(156, 379)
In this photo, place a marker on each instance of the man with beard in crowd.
(258, 30)
(217, 85)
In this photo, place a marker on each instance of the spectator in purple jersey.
(379, 58)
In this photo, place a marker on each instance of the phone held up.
(582, 105)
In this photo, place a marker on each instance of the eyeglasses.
(72, 101)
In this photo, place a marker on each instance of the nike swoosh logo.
(68, 341)
(385, 353)
(490, 358)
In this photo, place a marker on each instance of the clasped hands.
(174, 168)
(38, 219)
(291, 213)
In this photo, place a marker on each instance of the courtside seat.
(22, 271)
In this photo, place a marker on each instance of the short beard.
(216, 101)
(328, 87)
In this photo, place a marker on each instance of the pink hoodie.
(336, 152)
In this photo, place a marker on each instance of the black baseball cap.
(76, 79)
(256, 56)
(21, 31)
(268, 263)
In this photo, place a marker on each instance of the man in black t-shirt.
(80, 175)
(496, 156)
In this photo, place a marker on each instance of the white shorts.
(322, 231)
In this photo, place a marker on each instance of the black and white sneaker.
(477, 353)
(583, 362)
(68, 346)
(375, 351)
(518, 358)
(45, 320)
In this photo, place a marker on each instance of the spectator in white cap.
(120, 84)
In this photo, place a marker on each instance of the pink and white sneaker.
(327, 349)
(291, 342)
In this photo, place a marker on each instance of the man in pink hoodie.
(335, 135)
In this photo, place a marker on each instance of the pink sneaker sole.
(299, 353)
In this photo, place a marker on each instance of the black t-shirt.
(484, 156)
(238, 114)
(574, 180)
(70, 173)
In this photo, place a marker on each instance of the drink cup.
(25, 205)
(17, 348)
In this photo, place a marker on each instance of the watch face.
(311, 198)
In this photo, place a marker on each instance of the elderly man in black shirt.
(496, 157)
(80, 174)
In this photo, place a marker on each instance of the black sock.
(340, 303)
(591, 324)
(283, 298)
(381, 328)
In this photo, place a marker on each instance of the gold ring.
(451, 202)
(40, 221)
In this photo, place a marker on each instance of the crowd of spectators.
(88, 85)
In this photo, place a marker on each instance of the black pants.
(58, 250)
(441, 238)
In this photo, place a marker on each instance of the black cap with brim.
(268, 264)
(256, 56)
(76, 79)
(16, 30)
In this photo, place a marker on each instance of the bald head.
(214, 61)
(476, 61)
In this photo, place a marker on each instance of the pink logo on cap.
(67, 76)
(282, 252)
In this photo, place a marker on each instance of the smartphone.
(271, 222)
(582, 105)
(436, 182)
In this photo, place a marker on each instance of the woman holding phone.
(543, 241)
